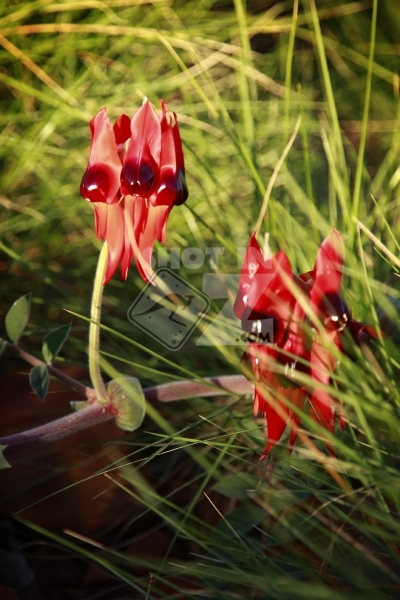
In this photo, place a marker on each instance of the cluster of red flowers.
(304, 339)
(135, 175)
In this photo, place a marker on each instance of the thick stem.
(94, 328)
(97, 413)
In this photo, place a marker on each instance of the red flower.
(135, 175)
(267, 289)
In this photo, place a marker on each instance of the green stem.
(94, 328)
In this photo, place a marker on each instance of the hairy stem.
(98, 413)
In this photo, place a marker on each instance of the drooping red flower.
(263, 290)
(304, 341)
(135, 175)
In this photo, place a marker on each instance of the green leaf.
(237, 486)
(54, 341)
(3, 463)
(128, 401)
(239, 521)
(17, 317)
(39, 380)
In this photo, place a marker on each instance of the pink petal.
(129, 214)
(114, 236)
(135, 222)
(100, 182)
(100, 219)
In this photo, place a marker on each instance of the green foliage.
(39, 380)
(54, 341)
(17, 317)
(238, 76)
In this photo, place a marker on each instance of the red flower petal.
(140, 172)
(298, 399)
(322, 362)
(100, 182)
(100, 219)
(113, 236)
(263, 289)
(129, 218)
(136, 214)
(172, 188)
(277, 416)
(276, 300)
(328, 269)
(296, 342)
(253, 262)
(122, 129)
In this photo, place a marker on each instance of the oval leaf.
(17, 317)
(54, 341)
(39, 380)
(128, 402)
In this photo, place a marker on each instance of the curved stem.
(94, 328)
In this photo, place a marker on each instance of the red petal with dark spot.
(140, 171)
(100, 182)
(172, 188)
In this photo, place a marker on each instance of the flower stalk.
(94, 329)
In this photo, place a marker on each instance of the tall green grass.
(299, 526)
